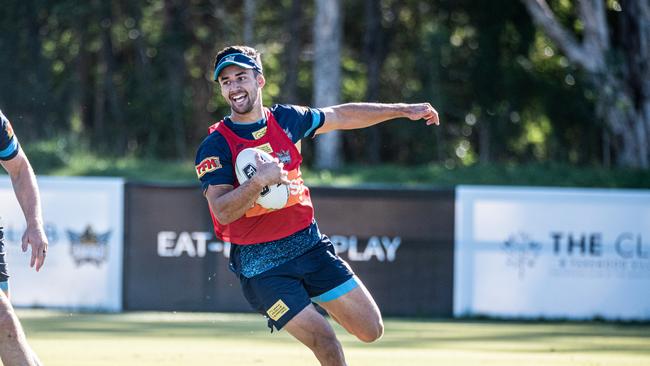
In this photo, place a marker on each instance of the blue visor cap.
(237, 59)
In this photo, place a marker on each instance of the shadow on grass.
(463, 335)
(146, 325)
(518, 337)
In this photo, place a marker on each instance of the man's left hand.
(425, 111)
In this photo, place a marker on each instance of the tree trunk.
(634, 38)
(176, 33)
(99, 103)
(292, 54)
(108, 108)
(327, 76)
(249, 21)
(628, 126)
(374, 54)
(202, 87)
(484, 142)
(40, 108)
(139, 136)
(622, 86)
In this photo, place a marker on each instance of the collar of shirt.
(244, 129)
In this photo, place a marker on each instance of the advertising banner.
(399, 242)
(83, 220)
(552, 253)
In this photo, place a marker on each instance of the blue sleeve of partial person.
(9, 146)
(298, 122)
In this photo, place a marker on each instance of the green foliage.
(61, 158)
(435, 175)
(134, 78)
(47, 155)
(130, 168)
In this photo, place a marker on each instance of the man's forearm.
(232, 205)
(26, 189)
(359, 115)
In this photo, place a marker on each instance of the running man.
(14, 350)
(283, 261)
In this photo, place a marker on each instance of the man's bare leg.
(14, 350)
(314, 331)
(358, 313)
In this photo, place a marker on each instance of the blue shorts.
(282, 292)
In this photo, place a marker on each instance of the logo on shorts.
(88, 246)
(277, 310)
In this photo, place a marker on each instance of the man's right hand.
(270, 172)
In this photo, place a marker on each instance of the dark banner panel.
(172, 259)
(400, 243)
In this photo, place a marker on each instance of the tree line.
(134, 77)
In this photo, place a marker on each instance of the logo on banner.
(521, 252)
(581, 254)
(380, 248)
(89, 246)
(13, 233)
(194, 244)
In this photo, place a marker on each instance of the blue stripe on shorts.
(337, 291)
(4, 286)
(10, 149)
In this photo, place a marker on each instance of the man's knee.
(371, 332)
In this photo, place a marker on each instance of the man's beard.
(246, 108)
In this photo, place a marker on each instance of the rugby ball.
(273, 196)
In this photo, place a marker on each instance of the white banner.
(84, 223)
(552, 253)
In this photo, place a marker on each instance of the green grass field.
(147, 338)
